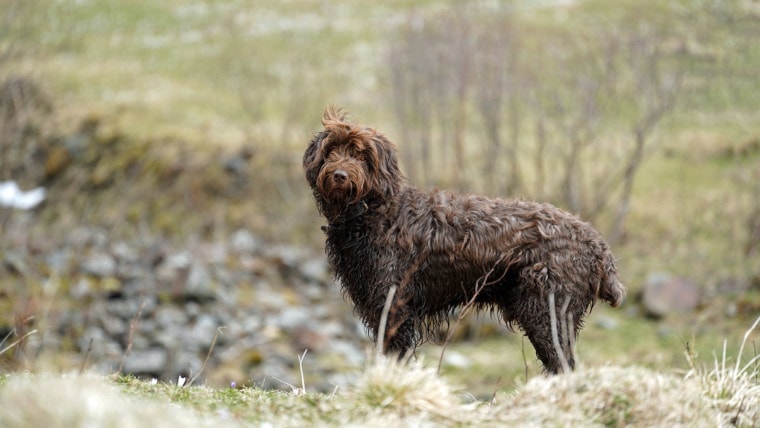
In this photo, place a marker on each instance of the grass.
(387, 392)
(173, 66)
(503, 361)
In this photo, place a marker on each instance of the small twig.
(300, 367)
(130, 338)
(7, 336)
(493, 396)
(741, 348)
(524, 357)
(296, 390)
(208, 356)
(17, 341)
(86, 356)
(293, 387)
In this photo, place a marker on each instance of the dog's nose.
(340, 175)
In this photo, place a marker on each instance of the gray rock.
(130, 308)
(151, 360)
(287, 255)
(170, 317)
(124, 252)
(81, 289)
(114, 325)
(243, 325)
(316, 270)
(59, 260)
(203, 330)
(173, 266)
(100, 344)
(243, 241)
(199, 284)
(292, 317)
(266, 298)
(99, 264)
(88, 236)
(131, 271)
(663, 294)
(606, 323)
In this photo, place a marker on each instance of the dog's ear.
(312, 158)
(336, 128)
(388, 174)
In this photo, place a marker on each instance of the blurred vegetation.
(184, 118)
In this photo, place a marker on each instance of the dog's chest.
(353, 255)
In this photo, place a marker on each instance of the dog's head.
(346, 163)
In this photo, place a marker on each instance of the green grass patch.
(387, 392)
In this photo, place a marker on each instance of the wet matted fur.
(445, 250)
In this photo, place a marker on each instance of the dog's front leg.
(400, 340)
(397, 326)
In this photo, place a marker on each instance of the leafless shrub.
(24, 105)
(23, 109)
(583, 105)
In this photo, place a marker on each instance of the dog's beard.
(341, 193)
(341, 196)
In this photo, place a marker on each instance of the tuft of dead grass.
(403, 388)
(610, 396)
(731, 385)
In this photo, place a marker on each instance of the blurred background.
(177, 235)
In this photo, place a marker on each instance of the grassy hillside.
(388, 393)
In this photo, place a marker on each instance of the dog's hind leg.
(550, 320)
(539, 332)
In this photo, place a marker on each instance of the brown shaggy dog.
(444, 251)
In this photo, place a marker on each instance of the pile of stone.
(232, 310)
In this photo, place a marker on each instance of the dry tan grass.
(733, 386)
(86, 401)
(610, 396)
(389, 389)
(389, 393)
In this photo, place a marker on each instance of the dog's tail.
(611, 289)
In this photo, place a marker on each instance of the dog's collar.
(351, 213)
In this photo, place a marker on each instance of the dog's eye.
(362, 158)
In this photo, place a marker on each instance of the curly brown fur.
(445, 250)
